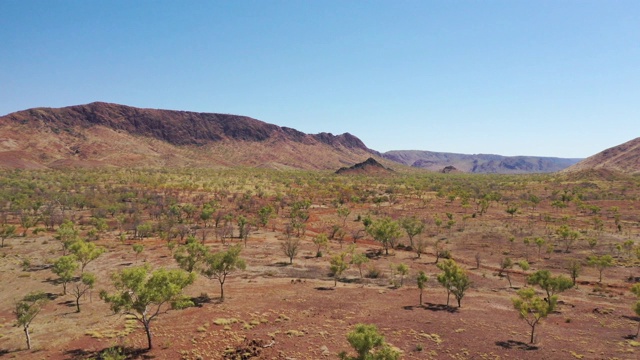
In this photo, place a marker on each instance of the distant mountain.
(480, 163)
(369, 167)
(102, 134)
(624, 158)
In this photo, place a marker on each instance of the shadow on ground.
(432, 307)
(519, 345)
(114, 352)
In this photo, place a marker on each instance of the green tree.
(505, 265)
(144, 295)
(85, 252)
(219, 265)
(385, 231)
(403, 270)
(264, 214)
(65, 267)
(454, 279)
(27, 309)
(7, 231)
(67, 234)
(600, 263)
(139, 248)
(343, 213)
(189, 256)
(531, 308)
(243, 228)
(539, 243)
(552, 285)
(413, 227)
(568, 236)
(369, 345)
(337, 265)
(321, 241)
(359, 260)
(422, 283)
(575, 267)
(79, 288)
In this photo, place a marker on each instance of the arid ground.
(274, 310)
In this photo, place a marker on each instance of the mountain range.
(111, 135)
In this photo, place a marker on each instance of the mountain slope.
(369, 167)
(623, 158)
(480, 163)
(102, 134)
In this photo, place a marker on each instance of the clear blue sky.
(551, 78)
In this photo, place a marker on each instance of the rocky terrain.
(369, 167)
(102, 134)
(479, 163)
(623, 158)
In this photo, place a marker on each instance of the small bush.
(373, 272)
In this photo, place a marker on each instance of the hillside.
(624, 158)
(103, 134)
(480, 163)
(367, 167)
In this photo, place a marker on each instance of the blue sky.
(548, 78)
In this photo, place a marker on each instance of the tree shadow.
(280, 264)
(519, 345)
(204, 298)
(324, 288)
(68, 303)
(439, 307)
(35, 268)
(127, 352)
(4, 352)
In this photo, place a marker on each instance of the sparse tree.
(422, 283)
(369, 345)
(575, 267)
(505, 265)
(139, 248)
(343, 213)
(568, 236)
(413, 227)
(220, 265)
(478, 258)
(531, 308)
(65, 267)
(290, 247)
(454, 279)
(85, 252)
(321, 241)
(7, 231)
(539, 244)
(600, 263)
(189, 256)
(385, 231)
(67, 234)
(144, 295)
(337, 265)
(27, 309)
(552, 285)
(420, 246)
(81, 287)
(359, 260)
(403, 270)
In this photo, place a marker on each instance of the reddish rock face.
(103, 134)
